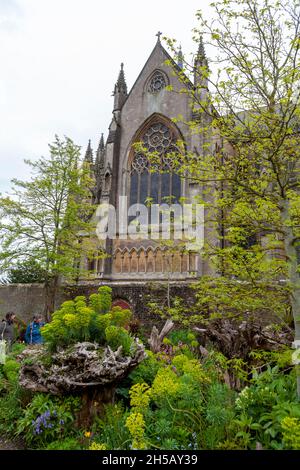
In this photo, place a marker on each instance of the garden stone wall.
(28, 299)
(25, 300)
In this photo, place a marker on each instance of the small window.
(157, 82)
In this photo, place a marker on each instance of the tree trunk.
(50, 297)
(93, 402)
(294, 278)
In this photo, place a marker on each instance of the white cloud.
(60, 60)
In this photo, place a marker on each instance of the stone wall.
(28, 299)
(25, 300)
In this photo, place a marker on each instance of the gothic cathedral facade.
(144, 114)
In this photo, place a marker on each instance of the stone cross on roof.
(158, 35)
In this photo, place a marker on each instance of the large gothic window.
(158, 180)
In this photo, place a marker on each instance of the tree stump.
(86, 370)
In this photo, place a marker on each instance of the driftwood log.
(156, 338)
(85, 369)
(235, 339)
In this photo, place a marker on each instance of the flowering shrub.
(118, 336)
(89, 320)
(166, 384)
(169, 413)
(136, 425)
(185, 366)
(111, 430)
(146, 370)
(45, 422)
(140, 396)
(261, 409)
(97, 446)
(291, 432)
(47, 418)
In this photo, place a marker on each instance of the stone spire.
(89, 154)
(120, 91)
(200, 69)
(180, 58)
(99, 163)
(121, 86)
(200, 59)
(101, 144)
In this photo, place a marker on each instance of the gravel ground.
(8, 444)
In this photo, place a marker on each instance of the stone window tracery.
(157, 82)
(156, 180)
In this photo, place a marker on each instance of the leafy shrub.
(10, 406)
(11, 370)
(87, 320)
(218, 414)
(263, 406)
(169, 414)
(118, 336)
(178, 337)
(140, 395)
(102, 303)
(291, 432)
(136, 425)
(111, 431)
(17, 348)
(48, 418)
(146, 370)
(68, 443)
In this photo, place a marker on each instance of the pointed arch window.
(158, 180)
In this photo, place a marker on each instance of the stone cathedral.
(144, 114)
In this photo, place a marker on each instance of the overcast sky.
(60, 60)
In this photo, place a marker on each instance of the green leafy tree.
(26, 272)
(47, 217)
(246, 107)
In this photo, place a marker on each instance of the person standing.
(7, 330)
(33, 331)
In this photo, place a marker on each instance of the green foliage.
(26, 272)
(103, 304)
(178, 403)
(168, 415)
(219, 413)
(92, 320)
(111, 430)
(48, 419)
(182, 336)
(146, 370)
(11, 370)
(250, 182)
(11, 404)
(68, 443)
(261, 407)
(120, 316)
(17, 348)
(291, 433)
(118, 336)
(42, 219)
(223, 296)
